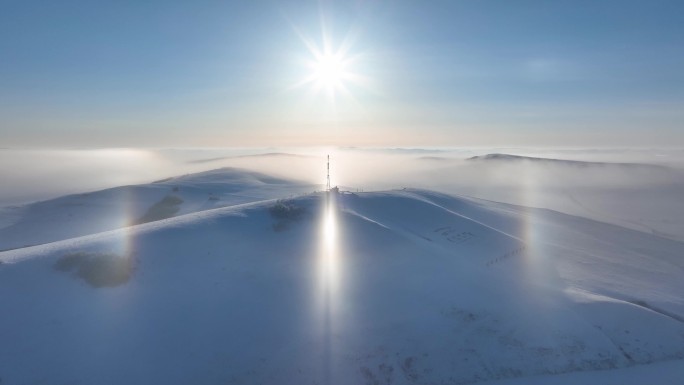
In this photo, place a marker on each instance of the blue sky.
(427, 73)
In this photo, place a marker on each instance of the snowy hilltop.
(89, 213)
(395, 287)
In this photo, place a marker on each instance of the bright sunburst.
(331, 71)
(331, 67)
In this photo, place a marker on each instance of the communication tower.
(327, 185)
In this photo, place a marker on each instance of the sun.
(329, 71)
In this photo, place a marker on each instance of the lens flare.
(329, 289)
(329, 269)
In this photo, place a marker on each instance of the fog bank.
(637, 188)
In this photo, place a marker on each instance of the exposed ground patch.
(285, 213)
(97, 269)
(165, 208)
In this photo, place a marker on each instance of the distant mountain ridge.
(263, 155)
(575, 163)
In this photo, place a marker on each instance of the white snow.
(395, 287)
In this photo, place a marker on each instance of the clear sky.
(404, 73)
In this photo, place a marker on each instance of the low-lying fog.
(644, 191)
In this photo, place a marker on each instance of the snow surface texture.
(398, 287)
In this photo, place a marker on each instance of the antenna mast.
(327, 186)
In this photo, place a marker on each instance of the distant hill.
(563, 162)
(264, 155)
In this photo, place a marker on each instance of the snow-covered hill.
(507, 158)
(399, 287)
(82, 214)
(644, 197)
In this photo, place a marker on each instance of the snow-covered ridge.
(641, 196)
(399, 287)
(89, 213)
(564, 162)
(281, 155)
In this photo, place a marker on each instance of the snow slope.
(644, 197)
(81, 214)
(398, 287)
